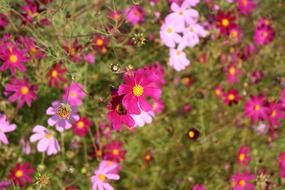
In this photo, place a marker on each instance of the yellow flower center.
(48, 136)
(241, 183)
(80, 124)
(147, 157)
(234, 33)
(244, 2)
(169, 30)
(218, 92)
(232, 70)
(24, 90)
(257, 107)
(264, 34)
(191, 134)
(64, 111)
(137, 90)
(99, 42)
(99, 153)
(231, 97)
(54, 73)
(19, 173)
(102, 177)
(13, 58)
(72, 51)
(73, 94)
(181, 13)
(241, 157)
(274, 113)
(115, 152)
(225, 22)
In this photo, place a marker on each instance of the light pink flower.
(74, 94)
(143, 118)
(46, 141)
(104, 173)
(178, 60)
(169, 33)
(5, 127)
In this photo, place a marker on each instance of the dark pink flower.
(117, 114)
(225, 21)
(135, 14)
(73, 50)
(199, 187)
(20, 90)
(32, 47)
(114, 151)
(219, 91)
(243, 156)
(275, 114)
(56, 75)
(236, 33)
(13, 58)
(31, 10)
(246, 6)
(81, 126)
(232, 74)
(136, 88)
(264, 34)
(256, 76)
(255, 108)
(115, 15)
(241, 181)
(3, 21)
(100, 43)
(231, 97)
(21, 174)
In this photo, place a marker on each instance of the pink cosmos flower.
(178, 59)
(115, 15)
(26, 148)
(46, 141)
(74, 94)
(136, 88)
(260, 128)
(243, 156)
(21, 91)
(134, 14)
(21, 174)
(231, 97)
(191, 36)
(232, 74)
(114, 151)
(169, 33)
(246, 6)
(106, 130)
(104, 173)
(236, 33)
(182, 14)
(56, 75)
(275, 114)
(32, 47)
(13, 58)
(30, 11)
(81, 126)
(156, 72)
(4, 184)
(73, 50)
(219, 91)
(89, 58)
(255, 108)
(5, 127)
(241, 181)
(143, 118)
(62, 115)
(118, 114)
(264, 34)
(199, 187)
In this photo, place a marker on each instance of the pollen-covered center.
(54, 73)
(115, 152)
(231, 97)
(169, 30)
(225, 22)
(64, 111)
(73, 94)
(232, 70)
(19, 173)
(274, 113)
(102, 177)
(24, 90)
(13, 58)
(99, 42)
(191, 134)
(137, 90)
(241, 157)
(48, 136)
(241, 183)
(80, 124)
(257, 107)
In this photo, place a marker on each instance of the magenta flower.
(115, 15)
(74, 94)
(117, 114)
(275, 114)
(178, 59)
(13, 58)
(242, 181)
(236, 33)
(156, 72)
(157, 106)
(182, 14)
(232, 74)
(136, 88)
(32, 47)
(21, 174)
(81, 126)
(169, 33)
(104, 173)
(264, 34)
(246, 6)
(5, 127)
(231, 97)
(21, 91)
(191, 36)
(46, 141)
(243, 156)
(114, 151)
(4, 184)
(89, 58)
(199, 187)
(3, 21)
(135, 14)
(30, 11)
(256, 108)
(62, 115)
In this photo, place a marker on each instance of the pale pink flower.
(169, 33)
(5, 127)
(178, 60)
